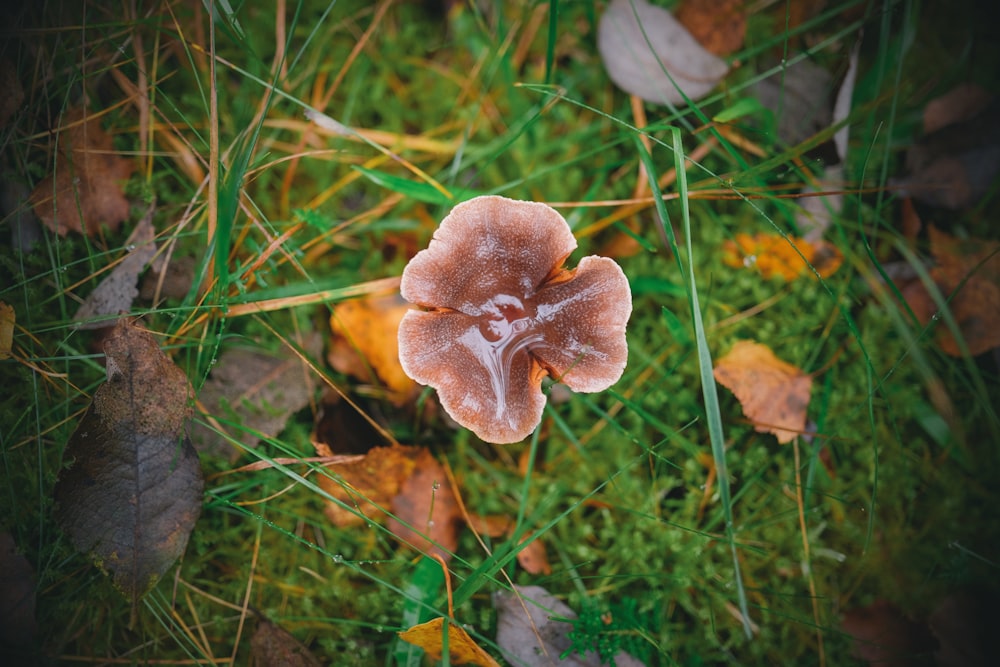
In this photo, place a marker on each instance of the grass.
(713, 542)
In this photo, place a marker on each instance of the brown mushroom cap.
(502, 313)
(484, 247)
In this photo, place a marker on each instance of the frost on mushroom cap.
(501, 314)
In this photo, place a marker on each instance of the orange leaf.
(425, 512)
(367, 484)
(774, 394)
(364, 342)
(86, 190)
(533, 557)
(462, 650)
(774, 255)
(967, 271)
(976, 303)
(409, 482)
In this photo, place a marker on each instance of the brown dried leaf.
(86, 190)
(718, 25)
(118, 290)
(533, 557)
(365, 342)
(367, 485)
(407, 481)
(774, 394)
(972, 267)
(257, 390)
(132, 489)
(425, 512)
(963, 102)
(273, 645)
(462, 649)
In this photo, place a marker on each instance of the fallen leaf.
(86, 190)
(118, 290)
(883, 636)
(425, 513)
(173, 280)
(800, 96)
(533, 557)
(773, 255)
(7, 319)
(131, 490)
(273, 645)
(955, 166)
(365, 342)
(367, 485)
(533, 629)
(462, 649)
(648, 53)
(963, 102)
(251, 391)
(774, 394)
(968, 271)
(718, 25)
(406, 481)
(17, 595)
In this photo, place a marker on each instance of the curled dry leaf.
(407, 481)
(425, 513)
(364, 342)
(118, 290)
(774, 394)
(462, 649)
(648, 53)
(86, 190)
(131, 490)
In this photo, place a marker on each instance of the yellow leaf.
(364, 342)
(462, 650)
(774, 394)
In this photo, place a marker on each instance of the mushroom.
(499, 313)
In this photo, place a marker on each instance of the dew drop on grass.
(337, 558)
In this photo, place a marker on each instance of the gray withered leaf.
(131, 489)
